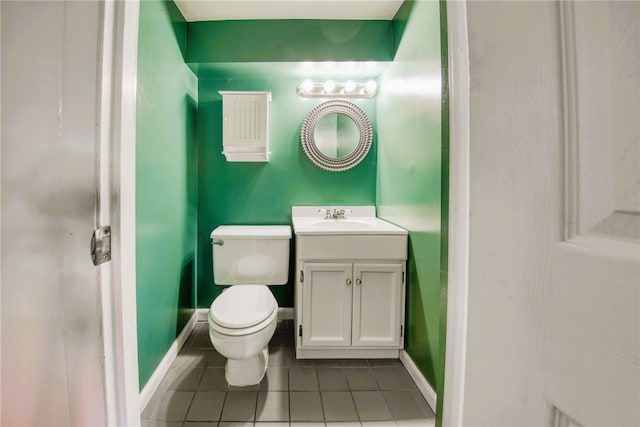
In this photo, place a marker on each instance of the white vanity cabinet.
(349, 295)
(352, 304)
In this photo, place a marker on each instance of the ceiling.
(216, 10)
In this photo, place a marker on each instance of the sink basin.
(309, 220)
(342, 224)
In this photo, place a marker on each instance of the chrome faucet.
(335, 213)
(327, 213)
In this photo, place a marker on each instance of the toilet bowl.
(242, 321)
(243, 318)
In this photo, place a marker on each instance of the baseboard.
(423, 385)
(202, 314)
(283, 313)
(154, 381)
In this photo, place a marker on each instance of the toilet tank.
(251, 254)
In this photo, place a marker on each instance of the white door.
(544, 320)
(377, 305)
(63, 363)
(593, 333)
(326, 304)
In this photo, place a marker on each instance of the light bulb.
(371, 86)
(306, 85)
(349, 86)
(329, 86)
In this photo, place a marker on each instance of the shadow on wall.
(422, 307)
(187, 283)
(186, 294)
(178, 25)
(400, 22)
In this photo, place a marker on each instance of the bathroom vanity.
(350, 283)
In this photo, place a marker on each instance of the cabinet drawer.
(353, 247)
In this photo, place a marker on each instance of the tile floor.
(303, 393)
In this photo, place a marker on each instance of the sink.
(343, 224)
(310, 220)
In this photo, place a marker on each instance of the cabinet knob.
(358, 282)
(348, 282)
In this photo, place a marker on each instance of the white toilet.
(243, 318)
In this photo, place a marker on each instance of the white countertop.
(358, 220)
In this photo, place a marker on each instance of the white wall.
(51, 345)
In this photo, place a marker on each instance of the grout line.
(224, 402)
(289, 396)
(255, 410)
(353, 399)
(324, 415)
(189, 407)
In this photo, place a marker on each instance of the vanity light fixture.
(334, 89)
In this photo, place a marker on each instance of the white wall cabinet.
(245, 126)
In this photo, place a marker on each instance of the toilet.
(243, 318)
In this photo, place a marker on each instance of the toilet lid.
(242, 306)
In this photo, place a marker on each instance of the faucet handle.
(340, 213)
(327, 213)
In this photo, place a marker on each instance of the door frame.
(120, 25)
(117, 72)
(459, 203)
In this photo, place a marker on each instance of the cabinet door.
(377, 304)
(326, 304)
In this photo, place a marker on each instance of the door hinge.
(301, 276)
(401, 330)
(300, 330)
(101, 245)
(402, 277)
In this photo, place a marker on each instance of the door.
(64, 357)
(545, 174)
(326, 304)
(594, 281)
(377, 308)
(52, 347)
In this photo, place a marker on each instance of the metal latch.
(101, 245)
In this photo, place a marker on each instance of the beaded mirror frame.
(355, 113)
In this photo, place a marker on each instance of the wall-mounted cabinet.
(245, 126)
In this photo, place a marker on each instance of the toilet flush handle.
(218, 242)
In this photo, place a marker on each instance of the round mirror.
(336, 135)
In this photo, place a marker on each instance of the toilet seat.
(242, 310)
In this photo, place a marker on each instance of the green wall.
(263, 193)
(180, 164)
(166, 183)
(294, 40)
(409, 172)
